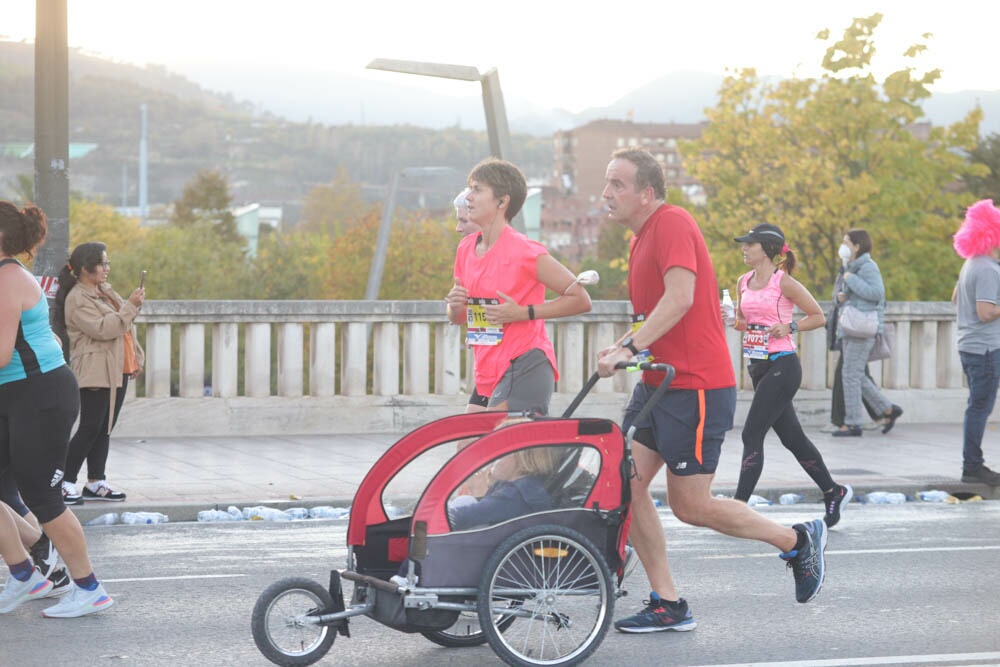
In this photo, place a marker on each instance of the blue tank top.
(36, 350)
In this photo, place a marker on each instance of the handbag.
(858, 323)
(883, 343)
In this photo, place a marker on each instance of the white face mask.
(845, 253)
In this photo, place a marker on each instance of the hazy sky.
(555, 53)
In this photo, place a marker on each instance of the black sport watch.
(793, 326)
(630, 346)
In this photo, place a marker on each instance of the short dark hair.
(860, 238)
(648, 172)
(505, 179)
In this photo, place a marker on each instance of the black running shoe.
(833, 501)
(659, 616)
(101, 490)
(44, 555)
(980, 475)
(808, 563)
(60, 583)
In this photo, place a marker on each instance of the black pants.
(775, 384)
(36, 417)
(837, 409)
(91, 441)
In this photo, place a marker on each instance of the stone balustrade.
(386, 366)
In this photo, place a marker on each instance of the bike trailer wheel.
(280, 624)
(556, 586)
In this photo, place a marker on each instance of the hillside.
(265, 157)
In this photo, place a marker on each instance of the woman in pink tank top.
(768, 296)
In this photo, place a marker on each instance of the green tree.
(820, 156)
(206, 198)
(334, 208)
(289, 266)
(986, 184)
(419, 262)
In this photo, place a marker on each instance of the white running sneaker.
(15, 591)
(80, 602)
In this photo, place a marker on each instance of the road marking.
(186, 576)
(881, 660)
(851, 552)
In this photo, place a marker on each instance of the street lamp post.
(493, 105)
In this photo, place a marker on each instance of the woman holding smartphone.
(104, 355)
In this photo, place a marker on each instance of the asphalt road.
(916, 584)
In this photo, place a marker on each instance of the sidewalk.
(180, 477)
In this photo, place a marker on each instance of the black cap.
(762, 233)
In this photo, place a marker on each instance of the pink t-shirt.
(766, 307)
(511, 267)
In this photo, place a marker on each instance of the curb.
(187, 511)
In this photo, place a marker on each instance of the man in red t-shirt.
(674, 297)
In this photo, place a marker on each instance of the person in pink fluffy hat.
(977, 297)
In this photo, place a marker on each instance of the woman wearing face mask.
(861, 287)
(837, 411)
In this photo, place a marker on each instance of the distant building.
(250, 218)
(573, 210)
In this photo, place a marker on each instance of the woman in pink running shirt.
(767, 297)
(501, 277)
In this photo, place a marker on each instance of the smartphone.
(142, 280)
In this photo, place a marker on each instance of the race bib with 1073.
(479, 331)
(755, 340)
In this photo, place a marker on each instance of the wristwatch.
(630, 346)
(793, 326)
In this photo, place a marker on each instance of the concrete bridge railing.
(272, 367)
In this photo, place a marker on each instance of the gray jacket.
(864, 288)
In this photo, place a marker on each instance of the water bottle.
(261, 513)
(937, 497)
(789, 498)
(755, 500)
(728, 309)
(109, 519)
(144, 517)
(297, 512)
(216, 515)
(884, 498)
(327, 512)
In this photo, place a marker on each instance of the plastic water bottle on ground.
(328, 512)
(884, 498)
(104, 520)
(297, 512)
(216, 515)
(728, 308)
(755, 500)
(789, 498)
(937, 497)
(261, 513)
(144, 517)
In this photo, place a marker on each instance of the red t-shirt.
(511, 267)
(696, 345)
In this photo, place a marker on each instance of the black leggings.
(92, 439)
(36, 418)
(775, 384)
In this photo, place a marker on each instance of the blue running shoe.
(808, 564)
(659, 616)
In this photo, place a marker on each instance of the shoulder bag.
(858, 323)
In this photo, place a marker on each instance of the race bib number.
(755, 340)
(644, 355)
(479, 331)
